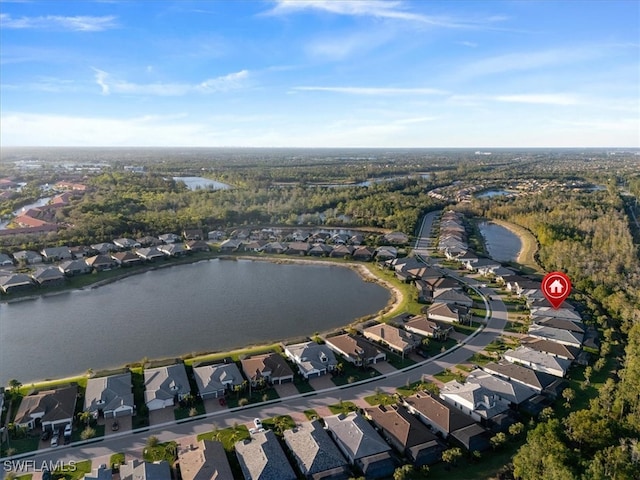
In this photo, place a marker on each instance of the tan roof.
(205, 461)
(272, 364)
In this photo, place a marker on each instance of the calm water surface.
(196, 183)
(502, 244)
(206, 306)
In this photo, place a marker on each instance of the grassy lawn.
(234, 354)
(409, 302)
(228, 436)
(279, 424)
(415, 387)
(484, 469)
(435, 347)
(501, 345)
(116, 459)
(80, 470)
(380, 398)
(181, 413)
(141, 419)
(311, 414)
(466, 329)
(302, 385)
(447, 375)
(351, 373)
(256, 397)
(464, 368)
(480, 359)
(81, 380)
(163, 451)
(516, 326)
(343, 407)
(76, 434)
(21, 445)
(396, 361)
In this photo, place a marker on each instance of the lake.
(494, 193)
(206, 306)
(501, 243)
(198, 183)
(41, 202)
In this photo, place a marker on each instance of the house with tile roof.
(564, 337)
(214, 380)
(406, 434)
(361, 444)
(101, 262)
(15, 282)
(540, 361)
(270, 366)
(165, 385)
(74, 267)
(111, 396)
(55, 254)
(507, 392)
(538, 381)
(355, 349)
(141, 470)
(126, 259)
(550, 347)
(311, 358)
(100, 473)
(446, 312)
(206, 460)
(315, 453)
(421, 325)
(50, 409)
(261, 458)
(46, 276)
(473, 399)
(28, 257)
(396, 339)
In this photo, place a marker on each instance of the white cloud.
(223, 83)
(80, 23)
(468, 44)
(380, 91)
(339, 47)
(542, 99)
(393, 10)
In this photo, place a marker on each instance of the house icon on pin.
(557, 287)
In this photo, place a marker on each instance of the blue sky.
(320, 73)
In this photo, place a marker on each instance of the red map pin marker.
(556, 287)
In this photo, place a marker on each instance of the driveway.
(124, 425)
(164, 415)
(383, 367)
(213, 405)
(320, 383)
(286, 389)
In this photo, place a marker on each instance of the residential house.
(356, 239)
(126, 259)
(561, 323)
(356, 349)
(507, 392)
(396, 238)
(449, 421)
(100, 473)
(104, 248)
(445, 312)
(540, 361)
(473, 399)
(261, 458)
(150, 254)
(386, 252)
(126, 243)
(564, 337)
(165, 385)
(74, 267)
(320, 250)
(172, 250)
(315, 453)
(490, 270)
(5, 260)
(197, 246)
(82, 251)
(311, 358)
(298, 248)
(215, 235)
(15, 282)
(274, 248)
(421, 325)
(550, 347)
(141, 470)
(214, 380)
(341, 251)
(55, 254)
(566, 313)
(396, 339)
(272, 367)
(168, 238)
(148, 241)
(27, 257)
(538, 381)
(192, 234)
(110, 396)
(361, 444)
(49, 409)
(406, 434)
(454, 297)
(48, 276)
(101, 262)
(230, 245)
(363, 254)
(205, 461)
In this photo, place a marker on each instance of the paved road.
(133, 443)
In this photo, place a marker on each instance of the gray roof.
(483, 400)
(62, 252)
(28, 255)
(513, 392)
(356, 436)
(206, 461)
(262, 458)
(5, 259)
(311, 356)
(138, 470)
(165, 382)
(109, 393)
(212, 378)
(44, 274)
(520, 374)
(539, 360)
(16, 279)
(72, 265)
(56, 405)
(100, 473)
(313, 449)
(558, 335)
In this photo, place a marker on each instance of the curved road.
(135, 442)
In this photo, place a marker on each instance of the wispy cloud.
(468, 44)
(339, 47)
(81, 23)
(386, 91)
(224, 83)
(559, 99)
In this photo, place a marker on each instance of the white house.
(311, 358)
(165, 385)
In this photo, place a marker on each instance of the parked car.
(258, 423)
(46, 434)
(54, 441)
(67, 430)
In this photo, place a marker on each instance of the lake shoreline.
(365, 273)
(528, 250)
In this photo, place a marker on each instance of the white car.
(67, 430)
(54, 441)
(258, 423)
